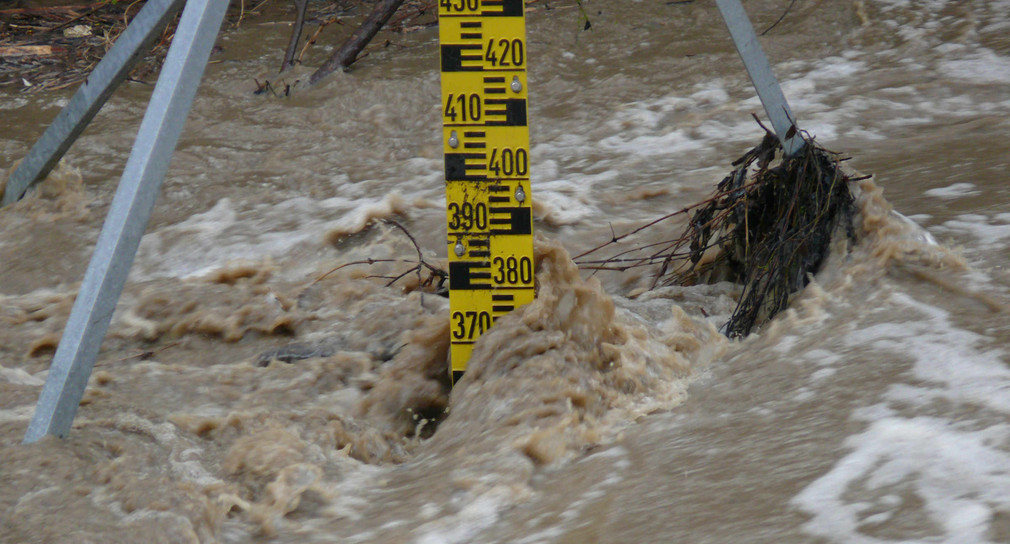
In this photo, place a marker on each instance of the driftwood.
(38, 56)
(435, 282)
(768, 228)
(28, 50)
(296, 34)
(42, 48)
(772, 231)
(347, 53)
(46, 10)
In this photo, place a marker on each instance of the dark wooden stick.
(46, 10)
(296, 35)
(420, 259)
(348, 52)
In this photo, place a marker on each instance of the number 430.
(460, 5)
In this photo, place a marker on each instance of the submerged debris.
(51, 47)
(768, 228)
(771, 228)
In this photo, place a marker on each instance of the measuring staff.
(485, 139)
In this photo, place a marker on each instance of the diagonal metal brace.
(761, 74)
(112, 70)
(127, 219)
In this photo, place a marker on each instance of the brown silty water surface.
(238, 397)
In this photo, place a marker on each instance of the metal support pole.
(128, 216)
(760, 73)
(129, 48)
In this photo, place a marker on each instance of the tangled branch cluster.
(768, 228)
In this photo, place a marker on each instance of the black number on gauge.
(504, 52)
(465, 106)
(512, 270)
(468, 325)
(508, 162)
(466, 216)
(459, 5)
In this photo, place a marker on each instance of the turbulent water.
(254, 388)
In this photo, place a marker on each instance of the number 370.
(468, 325)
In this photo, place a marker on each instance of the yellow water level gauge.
(485, 137)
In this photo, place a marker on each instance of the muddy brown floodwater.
(238, 397)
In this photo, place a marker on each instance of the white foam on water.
(14, 104)
(823, 374)
(833, 98)
(954, 361)
(564, 202)
(644, 142)
(17, 376)
(983, 66)
(21, 413)
(574, 512)
(479, 513)
(914, 231)
(225, 233)
(614, 475)
(958, 473)
(954, 471)
(822, 357)
(957, 190)
(709, 94)
(988, 233)
(349, 498)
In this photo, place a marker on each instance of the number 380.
(512, 270)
